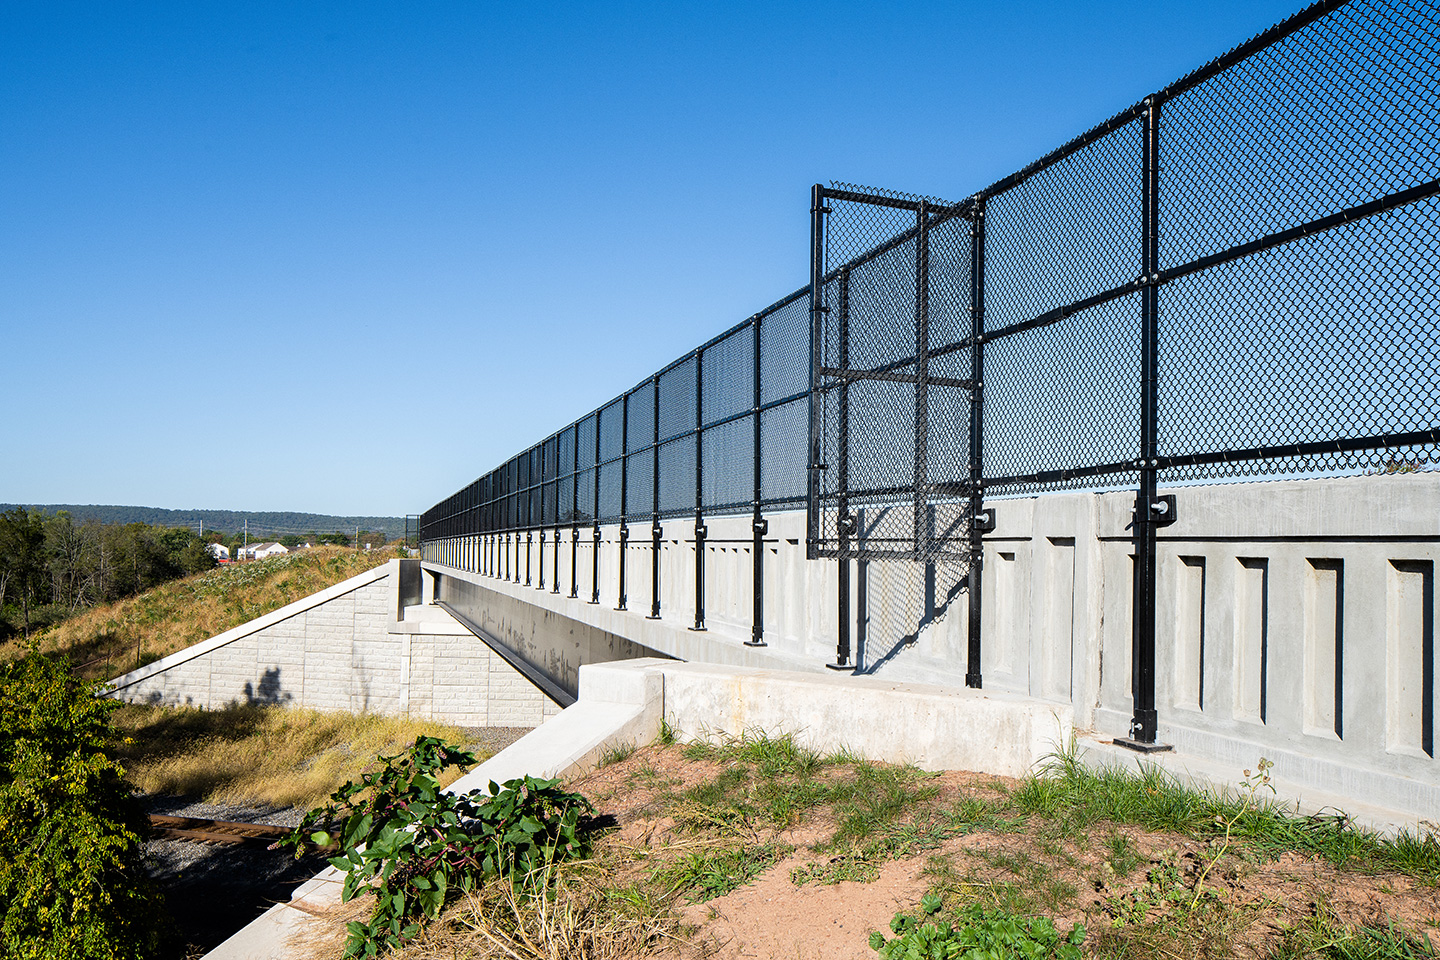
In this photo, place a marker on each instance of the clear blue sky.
(344, 258)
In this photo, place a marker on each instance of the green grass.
(1325, 935)
(703, 875)
(617, 753)
(1073, 798)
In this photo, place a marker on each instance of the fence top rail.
(1194, 78)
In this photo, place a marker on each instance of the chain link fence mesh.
(1298, 234)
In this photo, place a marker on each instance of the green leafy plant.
(415, 847)
(976, 933)
(71, 880)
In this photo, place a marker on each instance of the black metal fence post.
(655, 529)
(699, 491)
(595, 563)
(1143, 724)
(529, 539)
(977, 517)
(624, 538)
(555, 577)
(541, 579)
(574, 560)
(575, 522)
(595, 535)
(921, 473)
(624, 494)
(817, 309)
(758, 525)
(845, 521)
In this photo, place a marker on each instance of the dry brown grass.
(585, 914)
(109, 640)
(280, 756)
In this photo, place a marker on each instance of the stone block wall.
(345, 648)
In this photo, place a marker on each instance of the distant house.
(259, 551)
(218, 550)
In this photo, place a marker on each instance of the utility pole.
(246, 549)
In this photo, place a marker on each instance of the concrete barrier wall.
(553, 644)
(1296, 619)
(350, 647)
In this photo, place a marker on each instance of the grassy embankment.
(113, 638)
(755, 847)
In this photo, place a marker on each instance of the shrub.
(415, 847)
(70, 831)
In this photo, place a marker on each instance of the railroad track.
(225, 832)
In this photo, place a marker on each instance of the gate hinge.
(985, 520)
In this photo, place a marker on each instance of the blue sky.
(345, 258)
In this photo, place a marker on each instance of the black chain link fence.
(1237, 277)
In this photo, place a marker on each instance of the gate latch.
(985, 520)
(1162, 510)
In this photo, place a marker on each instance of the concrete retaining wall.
(1296, 619)
(350, 647)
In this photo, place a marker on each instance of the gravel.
(211, 891)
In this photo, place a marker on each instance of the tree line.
(51, 566)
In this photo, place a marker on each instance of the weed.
(975, 931)
(415, 847)
(617, 753)
(846, 868)
(1123, 857)
(875, 800)
(974, 814)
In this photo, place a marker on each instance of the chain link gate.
(894, 473)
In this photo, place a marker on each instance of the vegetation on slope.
(52, 567)
(260, 754)
(755, 847)
(112, 639)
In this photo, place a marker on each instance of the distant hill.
(264, 523)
